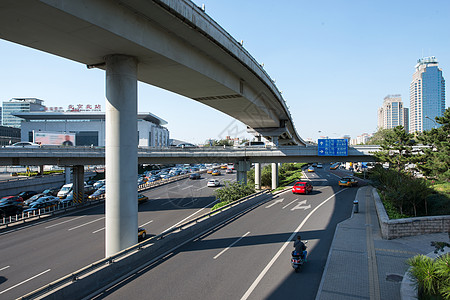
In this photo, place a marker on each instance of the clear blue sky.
(334, 61)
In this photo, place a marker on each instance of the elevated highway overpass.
(171, 44)
(176, 45)
(96, 156)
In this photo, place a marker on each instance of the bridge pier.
(243, 167)
(274, 176)
(121, 208)
(257, 176)
(78, 184)
(67, 171)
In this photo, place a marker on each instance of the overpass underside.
(177, 47)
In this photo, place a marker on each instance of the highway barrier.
(103, 273)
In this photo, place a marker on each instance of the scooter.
(298, 259)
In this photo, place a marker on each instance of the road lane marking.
(299, 205)
(14, 286)
(188, 187)
(4, 268)
(146, 223)
(202, 188)
(64, 222)
(221, 252)
(175, 225)
(86, 224)
(98, 230)
(275, 202)
(272, 261)
(289, 204)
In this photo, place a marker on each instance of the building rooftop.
(82, 116)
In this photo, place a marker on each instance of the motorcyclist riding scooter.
(299, 254)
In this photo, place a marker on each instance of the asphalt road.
(39, 254)
(249, 258)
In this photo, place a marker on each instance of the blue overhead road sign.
(332, 147)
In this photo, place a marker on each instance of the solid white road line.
(98, 230)
(86, 224)
(4, 268)
(64, 222)
(221, 252)
(145, 223)
(188, 187)
(4, 291)
(202, 188)
(272, 261)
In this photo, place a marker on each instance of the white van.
(65, 190)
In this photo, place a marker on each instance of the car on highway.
(215, 172)
(51, 192)
(96, 195)
(319, 166)
(9, 206)
(27, 194)
(209, 171)
(311, 169)
(229, 171)
(213, 183)
(335, 166)
(142, 198)
(142, 234)
(33, 198)
(23, 145)
(43, 202)
(314, 165)
(347, 182)
(302, 187)
(194, 176)
(12, 199)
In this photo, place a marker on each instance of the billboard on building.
(54, 138)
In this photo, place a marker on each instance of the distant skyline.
(334, 63)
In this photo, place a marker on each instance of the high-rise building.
(16, 105)
(427, 95)
(391, 114)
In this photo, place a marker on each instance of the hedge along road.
(249, 258)
(44, 252)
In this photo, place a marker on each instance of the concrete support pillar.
(41, 170)
(67, 174)
(243, 167)
(274, 175)
(78, 184)
(275, 141)
(121, 208)
(257, 176)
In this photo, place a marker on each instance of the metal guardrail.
(101, 263)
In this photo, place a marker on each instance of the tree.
(435, 160)
(396, 148)
(379, 136)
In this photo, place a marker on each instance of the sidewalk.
(361, 265)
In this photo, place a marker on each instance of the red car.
(302, 187)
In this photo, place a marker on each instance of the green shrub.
(232, 192)
(432, 275)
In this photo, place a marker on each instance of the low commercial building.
(89, 127)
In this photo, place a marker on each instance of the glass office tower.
(16, 105)
(427, 95)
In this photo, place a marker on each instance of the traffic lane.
(261, 233)
(76, 240)
(281, 281)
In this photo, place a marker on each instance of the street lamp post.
(435, 124)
